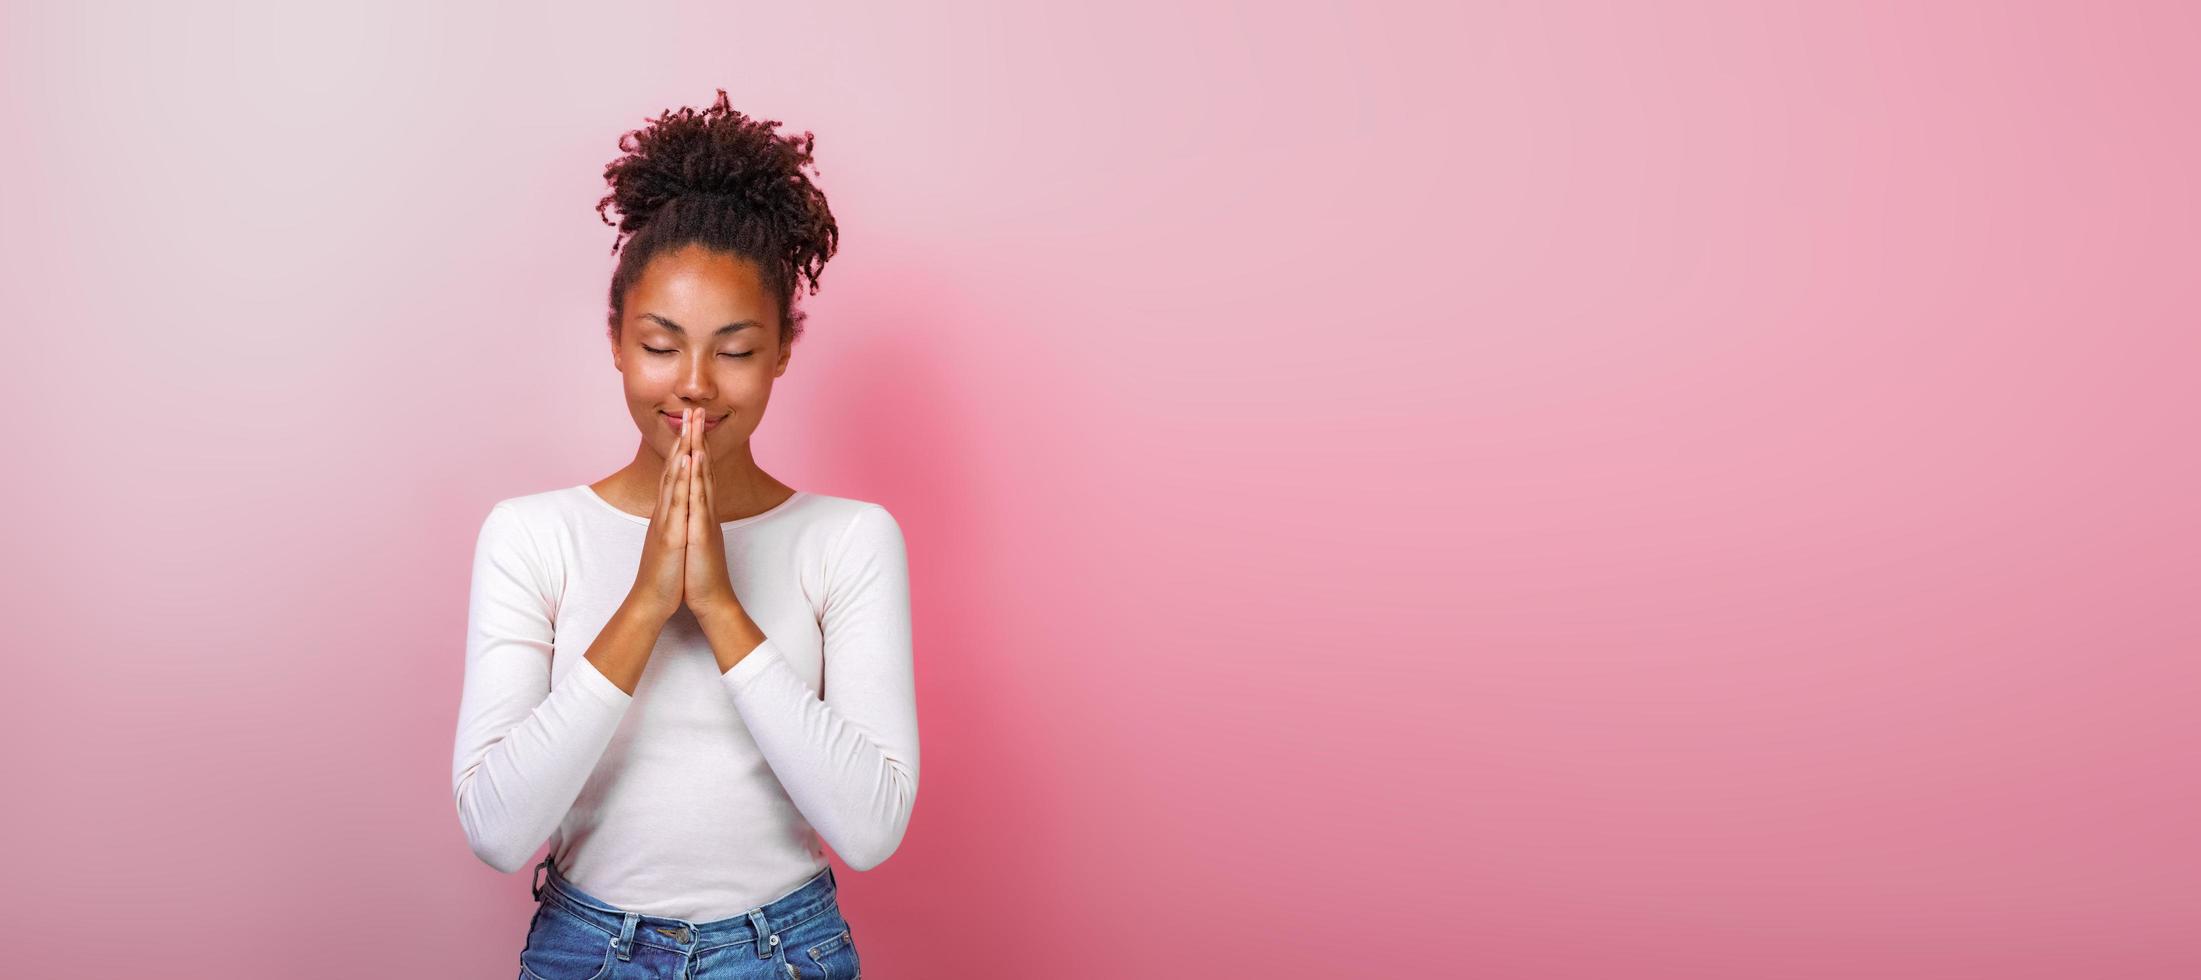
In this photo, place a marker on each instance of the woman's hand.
(708, 591)
(660, 583)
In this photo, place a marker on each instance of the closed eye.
(654, 350)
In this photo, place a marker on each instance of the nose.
(694, 383)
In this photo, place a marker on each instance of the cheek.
(741, 388)
(643, 385)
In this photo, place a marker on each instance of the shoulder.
(851, 525)
(524, 506)
(523, 518)
(843, 512)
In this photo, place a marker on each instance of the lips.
(673, 419)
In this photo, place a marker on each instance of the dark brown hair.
(725, 181)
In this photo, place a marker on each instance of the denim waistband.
(761, 925)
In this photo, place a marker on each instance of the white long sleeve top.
(701, 795)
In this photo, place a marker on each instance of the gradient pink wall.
(1513, 490)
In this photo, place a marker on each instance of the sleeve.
(848, 759)
(523, 750)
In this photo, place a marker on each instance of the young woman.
(688, 676)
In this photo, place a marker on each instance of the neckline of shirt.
(590, 493)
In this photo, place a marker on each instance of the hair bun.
(718, 155)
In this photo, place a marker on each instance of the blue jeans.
(799, 936)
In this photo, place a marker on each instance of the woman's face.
(699, 331)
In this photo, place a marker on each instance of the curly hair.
(728, 182)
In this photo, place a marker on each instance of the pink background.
(1514, 490)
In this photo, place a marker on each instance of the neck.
(739, 487)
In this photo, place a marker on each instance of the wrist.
(644, 607)
(726, 613)
(731, 634)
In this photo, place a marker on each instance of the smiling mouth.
(708, 423)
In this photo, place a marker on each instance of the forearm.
(855, 788)
(732, 634)
(622, 649)
(512, 792)
(850, 788)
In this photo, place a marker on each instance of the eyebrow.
(674, 327)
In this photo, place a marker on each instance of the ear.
(618, 359)
(780, 367)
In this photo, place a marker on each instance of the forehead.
(698, 279)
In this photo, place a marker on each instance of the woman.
(688, 676)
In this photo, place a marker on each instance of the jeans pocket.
(834, 958)
(562, 947)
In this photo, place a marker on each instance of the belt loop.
(625, 942)
(764, 948)
(537, 887)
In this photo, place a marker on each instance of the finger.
(703, 471)
(687, 442)
(672, 455)
(693, 431)
(703, 466)
(710, 488)
(676, 527)
(699, 520)
(667, 479)
(687, 434)
(673, 450)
